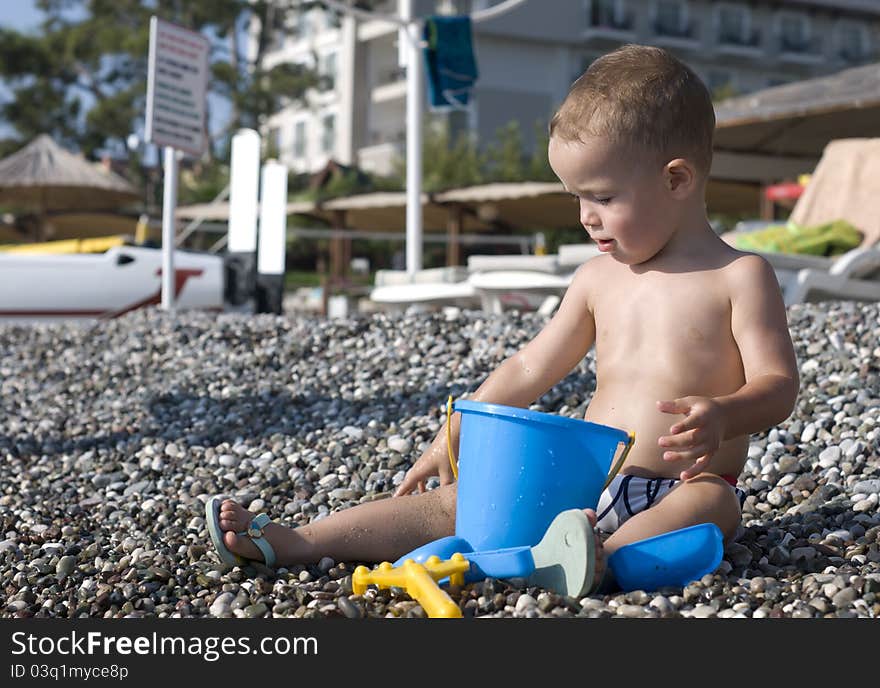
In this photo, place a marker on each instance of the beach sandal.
(254, 532)
(565, 558)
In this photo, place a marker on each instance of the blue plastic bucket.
(517, 469)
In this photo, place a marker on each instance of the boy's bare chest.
(676, 325)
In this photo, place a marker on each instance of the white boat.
(48, 287)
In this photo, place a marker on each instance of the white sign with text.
(177, 82)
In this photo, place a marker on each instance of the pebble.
(120, 433)
(65, 565)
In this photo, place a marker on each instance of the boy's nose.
(588, 217)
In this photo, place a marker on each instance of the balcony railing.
(854, 54)
(670, 29)
(739, 39)
(800, 46)
(608, 20)
(381, 137)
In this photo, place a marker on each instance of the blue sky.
(20, 15)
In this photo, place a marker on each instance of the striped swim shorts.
(628, 495)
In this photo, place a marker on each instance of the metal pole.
(413, 140)
(169, 203)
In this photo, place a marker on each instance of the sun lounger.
(432, 288)
(489, 281)
(492, 286)
(426, 294)
(844, 186)
(534, 282)
(485, 263)
(854, 275)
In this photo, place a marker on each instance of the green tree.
(504, 157)
(83, 80)
(445, 164)
(451, 164)
(539, 169)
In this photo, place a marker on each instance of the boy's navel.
(695, 335)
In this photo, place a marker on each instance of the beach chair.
(526, 281)
(853, 275)
(844, 186)
(432, 288)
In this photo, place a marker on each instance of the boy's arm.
(521, 378)
(550, 356)
(760, 329)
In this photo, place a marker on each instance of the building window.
(332, 19)
(671, 18)
(328, 134)
(327, 71)
(610, 14)
(299, 139)
(277, 30)
(852, 41)
(302, 25)
(734, 25)
(794, 33)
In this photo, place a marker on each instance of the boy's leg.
(382, 530)
(705, 498)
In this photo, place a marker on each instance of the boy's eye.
(601, 200)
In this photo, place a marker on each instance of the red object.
(784, 191)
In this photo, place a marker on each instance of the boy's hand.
(435, 461)
(697, 436)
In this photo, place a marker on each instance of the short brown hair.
(641, 96)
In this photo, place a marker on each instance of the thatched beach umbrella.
(43, 177)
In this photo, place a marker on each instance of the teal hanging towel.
(450, 62)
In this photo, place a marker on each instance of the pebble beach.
(114, 435)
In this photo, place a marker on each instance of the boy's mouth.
(604, 244)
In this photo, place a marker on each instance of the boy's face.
(624, 203)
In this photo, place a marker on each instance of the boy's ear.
(680, 177)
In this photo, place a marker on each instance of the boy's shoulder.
(747, 265)
(594, 269)
(750, 278)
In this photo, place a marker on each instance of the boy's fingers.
(680, 439)
(410, 480)
(696, 469)
(685, 455)
(685, 424)
(673, 406)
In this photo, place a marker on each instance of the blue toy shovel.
(671, 559)
(564, 559)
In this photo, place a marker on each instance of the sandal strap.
(255, 533)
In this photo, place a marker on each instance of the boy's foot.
(602, 575)
(569, 558)
(244, 535)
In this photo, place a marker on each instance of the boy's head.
(645, 99)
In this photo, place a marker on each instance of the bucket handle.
(449, 437)
(630, 441)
